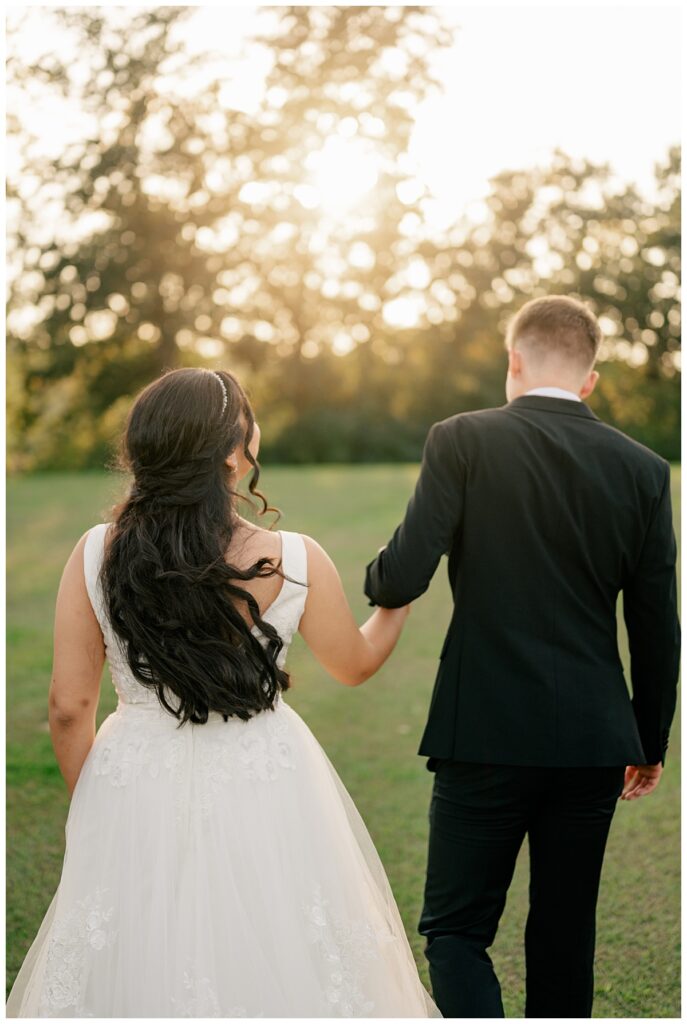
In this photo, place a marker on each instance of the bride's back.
(281, 598)
(249, 544)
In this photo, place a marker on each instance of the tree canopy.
(183, 229)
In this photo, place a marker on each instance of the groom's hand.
(640, 780)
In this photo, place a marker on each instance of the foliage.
(184, 230)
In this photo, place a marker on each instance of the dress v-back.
(217, 869)
(284, 612)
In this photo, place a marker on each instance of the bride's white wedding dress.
(216, 870)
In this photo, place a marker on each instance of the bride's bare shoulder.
(256, 541)
(321, 568)
(250, 538)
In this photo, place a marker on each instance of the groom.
(546, 514)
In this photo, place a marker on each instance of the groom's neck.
(516, 389)
(549, 382)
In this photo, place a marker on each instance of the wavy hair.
(170, 594)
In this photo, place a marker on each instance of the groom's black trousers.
(479, 816)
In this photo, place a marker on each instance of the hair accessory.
(224, 391)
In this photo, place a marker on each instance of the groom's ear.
(514, 362)
(589, 384)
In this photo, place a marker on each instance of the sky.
(598, 82)
(601, 82)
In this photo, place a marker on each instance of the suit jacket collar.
(544, 403)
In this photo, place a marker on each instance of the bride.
(215, 865)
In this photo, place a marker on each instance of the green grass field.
(371, 734)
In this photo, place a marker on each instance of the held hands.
(640, 780)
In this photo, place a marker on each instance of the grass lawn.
(371, 734)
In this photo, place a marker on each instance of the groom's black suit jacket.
(546, 514)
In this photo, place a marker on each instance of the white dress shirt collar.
(554, 393)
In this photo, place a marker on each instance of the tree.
(200, 228)
(276, 237)
(572, 228)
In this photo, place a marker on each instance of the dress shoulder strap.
(294, 564)
(94, 549)
(294, 556)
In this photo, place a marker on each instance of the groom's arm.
(651, 617)
(404, 568)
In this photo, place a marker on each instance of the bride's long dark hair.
(170, 594)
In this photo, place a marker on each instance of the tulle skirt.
(217, 870)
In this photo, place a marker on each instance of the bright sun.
(341, 173)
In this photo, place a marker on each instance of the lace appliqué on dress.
(202, 1000)
(131, 750)
(85, 928)
(258, 749)
(347, 947)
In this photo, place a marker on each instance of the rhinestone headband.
(224, 392)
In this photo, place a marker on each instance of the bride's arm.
(349, 652)
(78, 659)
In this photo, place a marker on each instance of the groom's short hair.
(556, 325)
